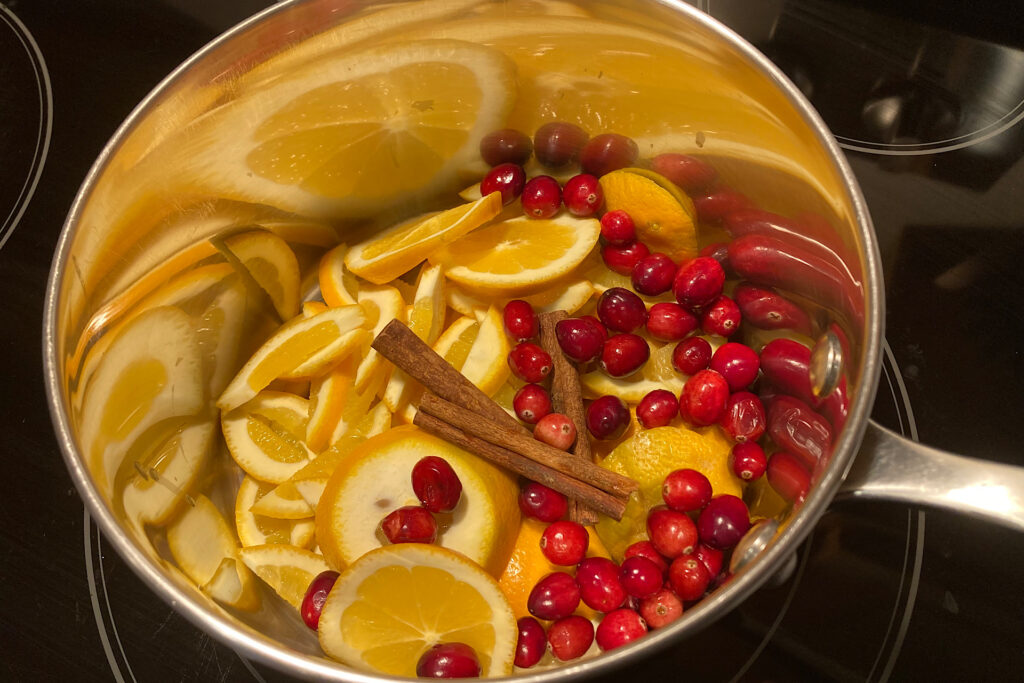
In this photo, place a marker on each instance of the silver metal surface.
(826, 364)
(753, 544)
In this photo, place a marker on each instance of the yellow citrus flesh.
(569, 296)
(283, 502)
(272, 264)
(266, 435)
(285, 568)
(338, 286)
(426, 320)
(397, 601)
(485, 363)
(257, 529)
(328, 395)
(382, 304)
(663, 215)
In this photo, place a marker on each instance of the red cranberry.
(529, 362)
(657, 408)
(686, 490)
(653, 274)
(713, 207)
(315, 597)
(672, 533)
(570, 638)
(554, 597)
(507, 145)
(661, 609)
(565, 542)
(583, 195)
(785, 364)
(449, 660)
(669, 322)
(558, 144)
(520, 320)
(720, 252)
(691, 355)
(598, 325)
(797, 428)
(744, 419)
(788, 476)
(693, 175)
(703, 400)
(436, 484)
(608, 152)
(764, 308)
(531, 644)
(689, 578)
(580, 339)
(508, 179)
(640, 577)
(542, 197)
(698, 283)
(621, 309)
(748, 461)
(624, 354)
(410, 524)
(607, 417)
(619, 628)
(618, 228)
(623, 259)
(598, 579)
(737, 363)
(722, 317)
(646, 550)
(723, 522)
(712, 559)
(556, 430)
(540, 502)
(531, 403)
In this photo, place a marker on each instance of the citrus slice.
(328, 396)
(395, 602)
(272, 264)
(300, 348)
(486, 363)
(399, 249)
(256, 529)
(375, 479)
(568, 296)
(283, 502)
(265, 436)
(229, 588)
(285, 568)
(519, 255)
(338, 286)
(311, 308)
(382, 304)
(663, 215)
(426, 320)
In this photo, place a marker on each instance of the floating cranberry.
(744, 419)
(542, 197)
(608, 152)
(698, 283)
(672, 533)
(520, 320)
(768, 310)
(449, 660)
(748, 461)
(529, 362)
(565, 542)
(737, 363)
(436, 484)
(540, 502)
(669, 322)
(623, 259)
(507, 145)
(582, 195)
(619, 627)
(714, 206)
(797, 428)
(722, 317)
(786, 365)
(508, 179)
(570, 638)
(556, 430)
(723, 522)
(531, 403)
(788, 476)
(703, 400)
(581, 339)
(689, 578)
(598, 579)
(653, 274)
(410, 524)
(657, 408)
(686, 490)
(621, 310)
(315, 597)
(624, 354)
(607, 417)
(531, 644)
(640, 576)
(555, 596)
(661, 609)
(691, 355)
(618, 228)
(720, 252)
(693, 175)
(711, 558)
(558, 144)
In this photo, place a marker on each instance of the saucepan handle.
(891, 467)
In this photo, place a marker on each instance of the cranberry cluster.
(438, 489)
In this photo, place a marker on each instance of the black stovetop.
(928, 103)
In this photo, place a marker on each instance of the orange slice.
(664, 216)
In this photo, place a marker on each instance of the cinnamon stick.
(566, 398)
(575, 489)
(494, 433)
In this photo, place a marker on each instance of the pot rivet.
(826, 364)
(753, 542)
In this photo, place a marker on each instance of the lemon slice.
(272, 264)
(265, 435)
(382, 304)
(519, 255)
(338, 286)
(375, 479)
(399, 249)
(256, 529)
(285, 568)
(394, 603)
(664, 216)
(298, 349)
(426, 320)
